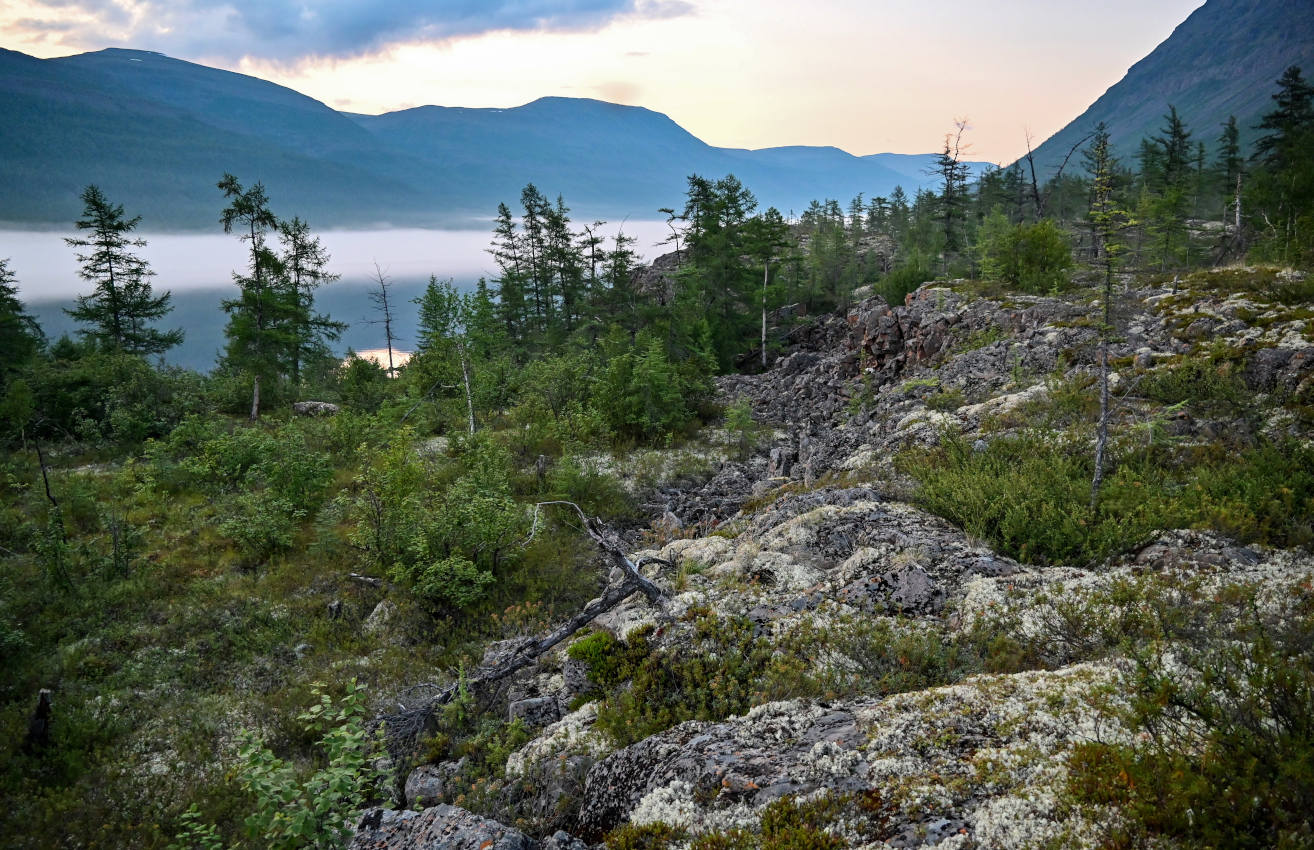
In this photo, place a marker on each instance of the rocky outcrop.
(800, 535)
(447, 828)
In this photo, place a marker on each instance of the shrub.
(648, 691)
(1029, 494)
(1228, 753)
(1032, 257)
(293, 812)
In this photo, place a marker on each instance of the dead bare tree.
(1037, 198)
(384, 306)
(404, 727)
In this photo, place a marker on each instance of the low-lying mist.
(198, 270)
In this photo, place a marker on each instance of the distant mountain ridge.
(1223, 60)
(157, 133)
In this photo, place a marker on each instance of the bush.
(1032, 257)
(1228, 758)
(293, 812)
(1029, 494)
(714, 676)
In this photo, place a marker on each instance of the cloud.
(290, 30)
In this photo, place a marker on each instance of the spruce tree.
(1282, 187)
(118, 312)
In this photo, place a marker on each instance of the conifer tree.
(119, 310)
(1108, 221)
(259, 340)
(305, 268)
(20, 335)
(1282, 187)
(1230, 169)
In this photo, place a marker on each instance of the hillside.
(156, 133)
(1221, 61)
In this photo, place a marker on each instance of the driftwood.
(404, 728)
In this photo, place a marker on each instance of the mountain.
(1223, 60)
(157, 133)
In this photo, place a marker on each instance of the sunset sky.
(864, 75)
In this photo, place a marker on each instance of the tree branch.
(403, 728)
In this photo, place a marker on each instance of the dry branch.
(404, 728)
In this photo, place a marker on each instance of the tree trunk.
(465, 377)
(766, 266)
(1102, 431)
(255, 398)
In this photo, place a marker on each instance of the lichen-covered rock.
(735, 767)
(437, 828)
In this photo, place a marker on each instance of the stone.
(425, 785)
(314, 408)
(438, 828)
(535, 712)
(382, 619)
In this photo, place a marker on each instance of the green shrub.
(1226, 758)
(1031, 257)
(649, 836)
(294, 811)
(1029, 494)
(647, 691)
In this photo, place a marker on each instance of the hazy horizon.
(47, 268)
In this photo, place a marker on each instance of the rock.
(314, 408)
(426, 784)
(575, 676)
(774, 750)
(909, 590)
(438, 828)
(535, 712)
(381, 620)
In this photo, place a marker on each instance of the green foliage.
(1029, 494)
(445, 543)
(1280, 194)
(119, 310)
(1225, 752)
(1030, 257)
(649, 836)
(648, 691)
(314, 811)
(110, 397)
(20, 335)
(870, 656)
(195, 834)
(743, 431)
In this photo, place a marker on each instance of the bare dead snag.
(403, 729)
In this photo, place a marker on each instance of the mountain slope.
(1222, 60)
(156, 134)
(155, 141)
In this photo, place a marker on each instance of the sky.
(868, 76)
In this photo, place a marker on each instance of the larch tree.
(1282, 186)
(1230, 168)
(120, 309)
(20, 335)
(305, 269)
(258, 336)
(1108, 221)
